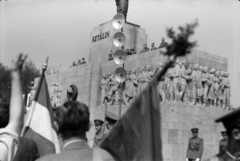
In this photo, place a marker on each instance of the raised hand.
(18, 64)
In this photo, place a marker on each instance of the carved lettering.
(101, 36)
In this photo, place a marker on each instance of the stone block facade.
(176, 122)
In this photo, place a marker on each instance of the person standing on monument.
(232, 126)
(122, 7)
(153, 46)
(195, 147)
(223, 142)
(99, 135)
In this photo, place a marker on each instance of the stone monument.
(94, 82)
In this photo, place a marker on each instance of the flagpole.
(35, 97)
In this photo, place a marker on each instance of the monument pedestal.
(101, 40)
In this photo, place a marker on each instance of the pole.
(120, 104)
(105, 111)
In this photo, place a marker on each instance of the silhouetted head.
(73, 119)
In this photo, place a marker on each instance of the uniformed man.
(99, 135)
(231, 122)
(111, 119)
(195, 147)
(223, 142)
(100, 154)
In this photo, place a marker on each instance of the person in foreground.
(195, 147)
(231, 122)
(99, 135)
(73, 122)
(9, 133)
(223, 142)
(27, 148)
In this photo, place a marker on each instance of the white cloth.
(8, 144)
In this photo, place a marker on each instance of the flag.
(136, 135)
(39, 124)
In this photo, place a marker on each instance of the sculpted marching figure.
(211, 94)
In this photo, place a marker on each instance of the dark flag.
(136, 136)
(39, 124)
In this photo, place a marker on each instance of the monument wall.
(176, 122)
(176, 119)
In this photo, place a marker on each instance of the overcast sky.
(61, 29)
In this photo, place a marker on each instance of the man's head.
(152, 44)
(144, 46)
(73, 119)
(224, 135)
(98, 124)
(195, 132)
(231, 122)
(4, 115)
(111, 119)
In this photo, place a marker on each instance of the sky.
(61, 29)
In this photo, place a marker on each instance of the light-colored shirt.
(8, 144)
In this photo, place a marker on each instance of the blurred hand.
(18, 64)
(197, 159)
(186, 159)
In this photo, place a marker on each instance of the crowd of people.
(79, 62)
(145, 49)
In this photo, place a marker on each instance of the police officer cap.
(98, 121)
(194, 129)
(111, 115)
(224, 132)
(230, 120)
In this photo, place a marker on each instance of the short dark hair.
(73, 119)
(4, 115)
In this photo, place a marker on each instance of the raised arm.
(16, 102)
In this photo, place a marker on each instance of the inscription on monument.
(100, 36)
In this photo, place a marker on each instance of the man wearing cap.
(99, 135)
(231, 122)
(100, 154)
(111, 119)
(223, 142)
(195, 147)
